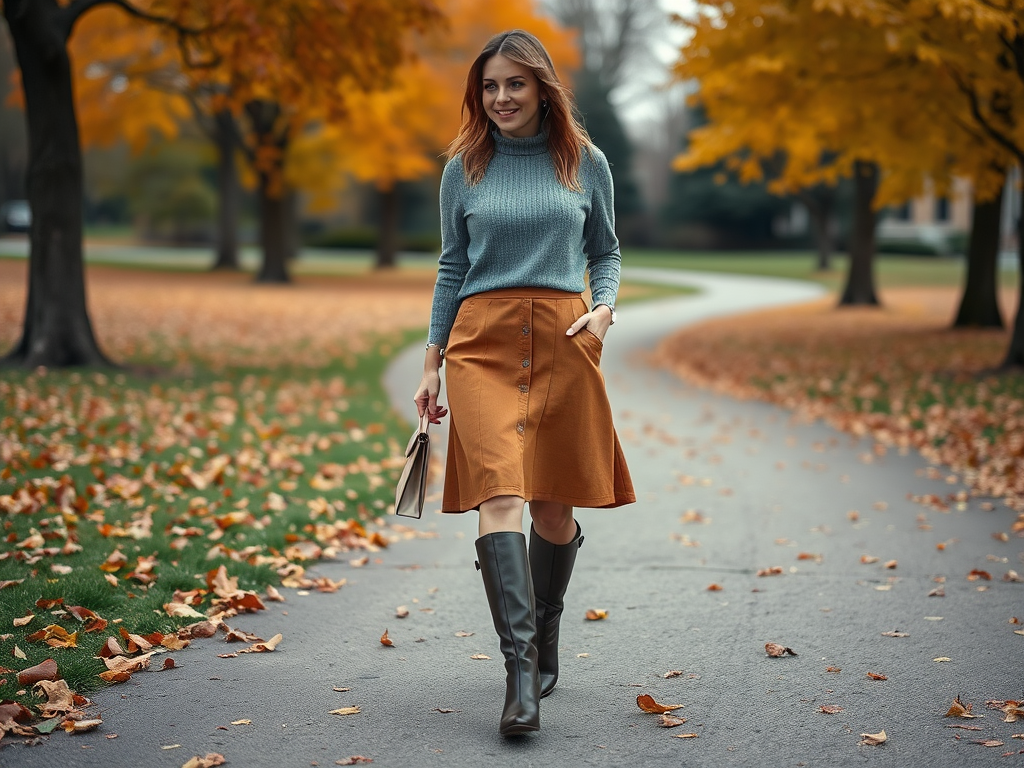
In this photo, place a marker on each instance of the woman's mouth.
(505, 112)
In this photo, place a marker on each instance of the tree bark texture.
(979, 305)
(1015, 354)
(387, 235)
(275, 233)
(57, 330)
(228, 191)
(860, 280)
(277, 240)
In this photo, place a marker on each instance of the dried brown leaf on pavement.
(59, 698)
(977, 574)
(959, 709)
(647, 703)
(386, 641)
(895, 633)
(775, 650)
(774, 570)
(830, 709)
(989, 742)
(876, 676)
(345, 711)
(714, 587)
(211, 760)
(868, 559)
(596, 614)
(401, 612)
(670, 721)
(684, 735)
(265, 647)
(873, 739)
(480, 657)
(82, 726)
(672, 673)
(354, 760)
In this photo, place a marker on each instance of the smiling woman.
(526, 211)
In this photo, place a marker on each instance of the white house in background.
(940, 221)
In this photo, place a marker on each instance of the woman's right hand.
(426, 397)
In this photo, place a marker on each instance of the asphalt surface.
(765, 489)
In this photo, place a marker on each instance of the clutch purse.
(412, 486)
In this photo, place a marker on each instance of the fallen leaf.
(19, 654)
(241, 722)
(59, 699)
(670, 721)
(989, 742)
(354, 760)
(55, 636)
(937, 592)
(959, 709)
(868, 559)
(211, 760)
(977, 573)
(345, 711)
(81, 726)
(774, 570)
(835, 670)
(168, 663)
(385, 640)
(46, 670)
(480, 657)
(775, 650)
(895, 633)
(401, 612)
(461, 633)
(647, 703)
(672, 673)
(596, 614)
(714, 587)
(876, 676)
(873, 739)
(273, 594)
(445, 711)
(965, 727)
(1012, 576)
(891, 565)
(830, 709)
(942, 658)
(24, 620)
(266, 647)
(684, 735)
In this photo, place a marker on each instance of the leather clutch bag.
(412, 486)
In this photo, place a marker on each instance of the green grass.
(890, 271)
(80, 427)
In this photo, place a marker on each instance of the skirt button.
(526, 363)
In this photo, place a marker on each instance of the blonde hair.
(567, 138)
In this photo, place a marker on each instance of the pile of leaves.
(146, 507)
(898, 375)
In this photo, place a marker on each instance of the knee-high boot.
(505, 567)
(551, 566)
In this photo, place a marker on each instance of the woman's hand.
(597, 322)
(426, 397)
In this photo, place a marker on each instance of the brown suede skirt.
(529, 413)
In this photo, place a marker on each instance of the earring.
(544, 103)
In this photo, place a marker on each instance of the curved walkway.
(725, 489)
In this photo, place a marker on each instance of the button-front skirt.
(529, 412)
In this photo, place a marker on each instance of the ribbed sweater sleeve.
(453, 264)
(599, 241)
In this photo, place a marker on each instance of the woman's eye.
(518, 85)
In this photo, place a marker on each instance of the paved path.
(767, 488)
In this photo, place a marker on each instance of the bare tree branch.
(975, 105)
(68, 15)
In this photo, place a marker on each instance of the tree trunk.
(387, 236)
(819, 202)
(57, 330)
(979, 305)
(1015, 354)
(228, 191)
(860, 281)
(275, 233)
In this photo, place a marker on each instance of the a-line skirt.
(529, 412)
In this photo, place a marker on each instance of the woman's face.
(512, 97)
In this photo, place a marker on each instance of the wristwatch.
(439, 347)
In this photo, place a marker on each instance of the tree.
(977, 48)
(827, 91)
(384, 142)
(265, 49)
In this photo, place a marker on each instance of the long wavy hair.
(567, 138)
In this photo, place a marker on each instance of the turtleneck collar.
(530, 145)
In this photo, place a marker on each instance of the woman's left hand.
(596, 321)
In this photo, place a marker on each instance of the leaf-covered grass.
(899, 375)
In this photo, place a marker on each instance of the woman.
(526, 209)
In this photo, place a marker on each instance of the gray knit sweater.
(520, 228)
